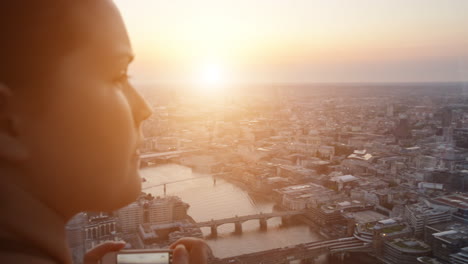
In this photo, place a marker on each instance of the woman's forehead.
(104, 31)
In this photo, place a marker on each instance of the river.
(224, 199)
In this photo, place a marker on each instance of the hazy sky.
(299, 40)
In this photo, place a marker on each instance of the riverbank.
(247, 188)
(223, 200)
(298, 219)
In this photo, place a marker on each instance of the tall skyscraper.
(403, 130)
(447, 129)
(390, 110)
(447, 117)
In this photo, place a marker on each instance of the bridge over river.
(238, 220)
(306, 253)
(165, 155)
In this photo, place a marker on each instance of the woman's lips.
(136, 155)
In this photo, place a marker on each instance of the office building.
(424, 213)
(149, 209)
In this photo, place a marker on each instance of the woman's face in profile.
(84, 145)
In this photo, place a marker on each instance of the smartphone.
(139, 256)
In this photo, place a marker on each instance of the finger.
(189, 243)
(180, 255)
(198, 250)
(95, 254)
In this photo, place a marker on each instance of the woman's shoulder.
(15, 252)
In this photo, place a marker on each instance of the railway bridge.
(238, 220)
(305, 253)
(145, 157)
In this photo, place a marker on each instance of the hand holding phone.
(183, 251)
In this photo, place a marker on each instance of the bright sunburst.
(212, 77)
(212, 74)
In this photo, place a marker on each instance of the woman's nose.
(141, 108)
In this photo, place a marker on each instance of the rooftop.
(426, 208)
(364, 157)
(459, 201)
(342, 205)
(365, 216)
(393, 229)
(309, 189)
(428, 260)
(410, 245)
(453, 236)
(344, 178)
(387, 221)
(449, 225)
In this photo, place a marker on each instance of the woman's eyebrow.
(119, 56)
(121, 60)
(116, 59)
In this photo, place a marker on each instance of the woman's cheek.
(120, 127)
(100, 128)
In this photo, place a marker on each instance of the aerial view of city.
(281, 133)
(363, 172)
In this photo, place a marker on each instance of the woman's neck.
(27, 220)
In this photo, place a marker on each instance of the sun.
(212, 77)
(212, 74)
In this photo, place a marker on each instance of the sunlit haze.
(259, 131)
(301, 40)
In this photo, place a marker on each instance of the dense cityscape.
(377, 172)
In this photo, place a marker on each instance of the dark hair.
(35, 34)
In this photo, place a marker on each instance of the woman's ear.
(12, 149)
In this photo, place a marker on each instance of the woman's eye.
(122, 79)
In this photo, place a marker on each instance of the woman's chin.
(130, 191)
(116, 197)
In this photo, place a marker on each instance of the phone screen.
(143, 258)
